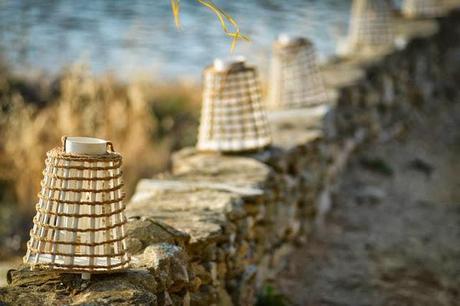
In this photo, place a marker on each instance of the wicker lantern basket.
(371, 25)
(295, 81)
(79, 225)
(421, 8)
(232, 115)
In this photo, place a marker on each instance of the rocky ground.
(393, 237)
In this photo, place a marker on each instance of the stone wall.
(217, 227)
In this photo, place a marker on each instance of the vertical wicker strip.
(232, 115)
(295, 81)
(370, 25)
(79, 225)
(422, 8)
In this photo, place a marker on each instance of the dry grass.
(143, 120)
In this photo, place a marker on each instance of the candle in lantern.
(232, 115)
(295, 80)
(79, 226)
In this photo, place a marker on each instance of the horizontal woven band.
(79, 230)
(75, 243)
(46, 198)
(79, 178)
(106, 157)
(95, 215)
(80, 190)
(116, 165)
(74, 255)
(234, 146)
(86, 268)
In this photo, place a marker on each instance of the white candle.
(285, 39)
(223, 64)
(85, 145)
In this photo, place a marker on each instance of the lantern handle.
(110, 146)
(63, 140)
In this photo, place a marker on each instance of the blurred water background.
(128, 37)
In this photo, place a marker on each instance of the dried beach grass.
(144, 121)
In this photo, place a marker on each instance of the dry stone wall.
(217, 227)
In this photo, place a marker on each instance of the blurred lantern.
(421, 8)
(232, 116)
(79, 225)
(295, 80)
(370, 25)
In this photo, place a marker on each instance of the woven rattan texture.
(79, 225)
(371, 24)
(423, 8)
(232, 115)
(295, 81)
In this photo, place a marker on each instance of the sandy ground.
(393, 236)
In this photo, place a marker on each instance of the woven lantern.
(295, 80)
(370, 25)
(232, 116)
(421, 8)
(79, 225)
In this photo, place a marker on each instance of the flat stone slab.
(341, 74)
(134, 287)
(290, 138)
(147, 186)
(190, 164)
(298, 127)
(164, 198)
(410, 28)
(301, 118)
(200, 213)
